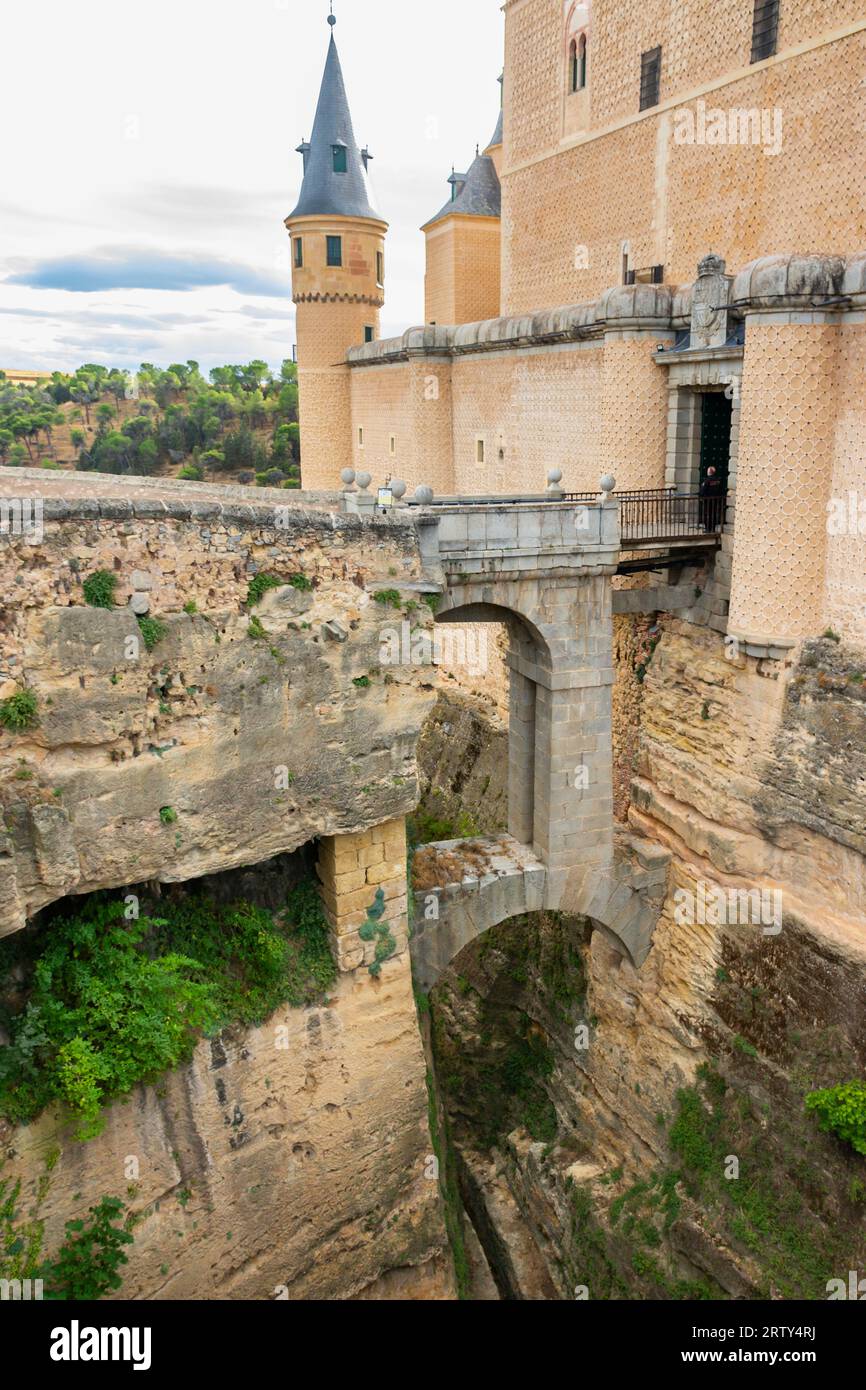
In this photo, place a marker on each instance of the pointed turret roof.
(325, 192)
(496, 138)
(478, 192)
(497, 134)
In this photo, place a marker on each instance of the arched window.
(577, 64)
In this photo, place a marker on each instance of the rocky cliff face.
(646, 1132)
(287, 1161)
(242, 732)
(293, 1159)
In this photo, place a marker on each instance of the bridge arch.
(544, 571)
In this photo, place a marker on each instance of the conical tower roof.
(325, 191)
(480, 194)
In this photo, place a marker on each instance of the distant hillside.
(240, 425)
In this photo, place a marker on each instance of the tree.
(7, 439)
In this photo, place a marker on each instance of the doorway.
(716, 419)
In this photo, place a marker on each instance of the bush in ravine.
(841, 1110)
(111, 1003)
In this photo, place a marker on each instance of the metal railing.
(662, 514)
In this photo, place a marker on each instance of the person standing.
(713, 494)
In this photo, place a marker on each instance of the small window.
(392, 445)
(479, 451)
(580, 70)
(340, 159)
(299, 252)
(765, 29)
(380, 267)
(574, 71)
(650, 78)
(335, 250)
(368, 333)
(360, 436)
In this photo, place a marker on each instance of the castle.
(655, 266)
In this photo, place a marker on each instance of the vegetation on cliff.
(106, 1002)
(87, 1265)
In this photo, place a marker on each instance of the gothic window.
(765, 29)
(577, 64)
(299, 252)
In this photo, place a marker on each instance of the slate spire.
(335, 169)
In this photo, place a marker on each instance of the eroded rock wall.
(244, 732)
(289, 1160)
(611, 1150)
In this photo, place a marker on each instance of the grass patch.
(99, 589)
(152, 631)
(389, 598)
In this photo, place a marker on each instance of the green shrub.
(99, 589)
(841, 1110)
(362, 682)
(112, 1003)
(389, 598)
(260, 585)
(191, 473)
(20, 711)
(255, 630)
(168, 815)
(301, 583)
(152, 631)
(89, 1258)
(191, 608)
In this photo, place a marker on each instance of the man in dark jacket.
(713, 494)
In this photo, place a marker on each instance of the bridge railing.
(662, 514)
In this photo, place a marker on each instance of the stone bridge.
(122, 741)
(543, 569)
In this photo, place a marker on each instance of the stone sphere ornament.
(348, 478)
(608, 484)
(364, 480)
(398, 488)
(424, 495)
(554, 477)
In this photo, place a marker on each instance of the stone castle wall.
(462, 283)
(571, 203)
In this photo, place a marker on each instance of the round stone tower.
(338, 276)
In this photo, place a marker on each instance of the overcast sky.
(147, 162)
